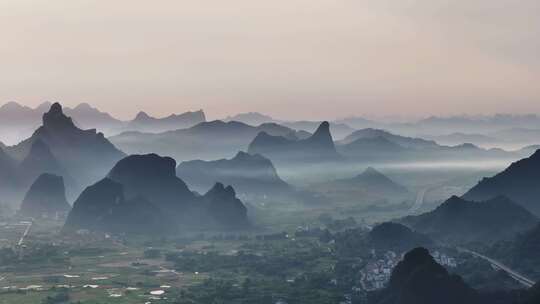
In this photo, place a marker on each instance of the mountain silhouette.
(103, 207)
(519, 182)
(87, 117)
(208, 140)
(39, 160)
(318, 147)
(338, 130)
(396, 237)
(380, 145)
(18, 122)
(146, 123)
(406, 142)
(371, 148)
(373, 180)
(250, 175)
(45, 198)
(369, 186)
(146, 185)
(224, 208)
(459, 221)
(418, 279)
(153, 177)
(251, 118)
(84, 154)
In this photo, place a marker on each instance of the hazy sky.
(288, 58)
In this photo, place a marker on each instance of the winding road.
(419, 200)
(517, 276)
(21, 240)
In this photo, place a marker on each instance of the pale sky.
(309, 59)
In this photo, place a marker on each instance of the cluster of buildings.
(444, 260)
(377, 272)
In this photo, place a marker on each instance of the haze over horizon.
(297, 59)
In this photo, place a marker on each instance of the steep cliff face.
(224, 208)
(45, 198)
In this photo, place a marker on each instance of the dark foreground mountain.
(250, 175)
(142, 194)
(459, 221)
(207, 140)
(419, 279)
(59, 145)
(520, 182)
(46, 198)
(318, 147)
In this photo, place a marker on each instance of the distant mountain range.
(458, 221)
(207, 141)
(519, 182)
(403, 141)
(251, 118)
(142, 194)
(145, 123)
(18, 122)
(381, 145)
(250, 175)
(371, 185)
(317, 148)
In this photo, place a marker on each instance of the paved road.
(519, 277)
(419, 201)
(21, 240)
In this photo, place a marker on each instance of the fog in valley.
(286, 152)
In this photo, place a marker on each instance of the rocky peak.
(219, 191)
(323, 132)
(55, 119)
(141, 116)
